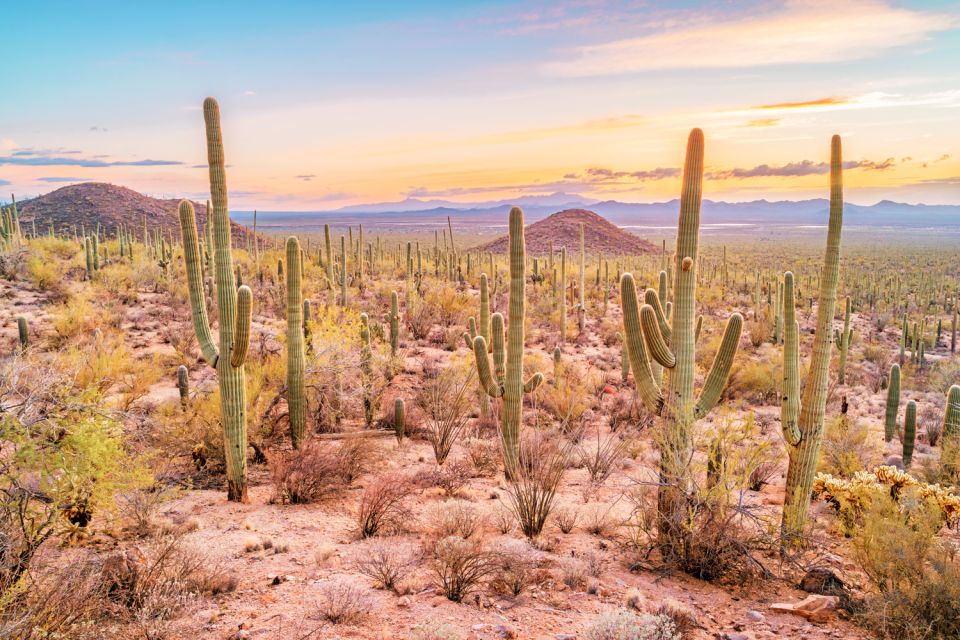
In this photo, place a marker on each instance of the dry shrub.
(542, 463)
(565, 518)
(625, 409)
(387, 563)
(600, 458)
(357, 456)
(568, 398)
(484, 456)
(434, 631)
(624, 625)
(445, 399)
(597, 520)
(756, 381)
(517, 564)
(383, 507)
(573, 572)
(759, 330)
(848, 447)
(451, 477)
(140, 507)
(461, 566)
(930, 420)
(342, 602)
(712, 532)
(309, 474)
(455, 518)
(763, 473)
(915, 575)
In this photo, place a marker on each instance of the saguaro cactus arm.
(241, 334)
(198, 306)
(654, 339)
(531, 385)
(493, 388)
(790, 395)
(720, 370)
(651, 298)
(639, 361)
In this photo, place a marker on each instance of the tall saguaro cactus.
(893, 403)
(803, 424)
(234, 308)
(673, 346)
(843, 342)
(296, 360)
(507, 383)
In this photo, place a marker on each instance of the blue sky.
(335, 103)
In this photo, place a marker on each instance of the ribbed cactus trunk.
(399, 419)
(909, 433)
(649, 337)
(509, 384)
(562, 294)
(233, 304)
(394, 324)
(893, 403)
(803, 454)
(844, 342)
(183, 385)
(296, 359)
(23, 333)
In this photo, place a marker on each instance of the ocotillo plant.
(508, 383)
(674, 348)
(909, 432)
(183, 385)
(296, 359)
(843, 341)
(893, 403)
(233, 304)
(803, 428)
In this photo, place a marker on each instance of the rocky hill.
(563, 229)
(90, 203)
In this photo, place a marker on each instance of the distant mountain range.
(885, 213)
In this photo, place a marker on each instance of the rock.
(566, 636)
(823, 581)
(242, 634)
(894, 461)
(505, 632)
(815, 608)
(738, 636)
(404, 602)
(755, 616)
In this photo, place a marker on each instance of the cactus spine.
(234, 307)
(296, 360)
(909, 433)
(509, 385)
(803, 436)
(674, 348)
(893, 403)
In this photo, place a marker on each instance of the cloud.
(249, 92)
(820, 102)
(797, 32)
(55, 158)
(96, 128)
(611, 123)
(306, 177)
(660, 173)
(4, 183)
(796, 169)
(764, 122)
(52, 179)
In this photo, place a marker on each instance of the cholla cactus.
(296, 359)
(803, 424)
(507, 381)
(649, 336)
(234, 309)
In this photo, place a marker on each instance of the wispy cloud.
(763, 122)
(796, 169)
(54, 179)
(800, 31)
(306, 177)
(56, 158)
(804, 104)
(4, 183)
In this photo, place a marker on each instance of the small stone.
(754, 616)
(815, 608)
(404, 602)
(505, 632)
(565, 636)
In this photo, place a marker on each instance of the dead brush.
(307, 475)
(445, 399)
(383, 507)
(484, 455)
(461, 566)
(517, 564)
(600, 459)
(455, 518)
(387, 564)
(543, 461)
(342, 602)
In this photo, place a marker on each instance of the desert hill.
(90, 203)
(563, 229)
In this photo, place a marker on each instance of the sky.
(327, 104)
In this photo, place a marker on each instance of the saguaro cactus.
(23, 333)
(673, 346)
(394, 324)
(804, 432)
(893, 403)
(234, 308)
(296, 360)
(399, 419)
(508, 383)
(183, 385)
(909, 432)
(951, 414)
(843, 341)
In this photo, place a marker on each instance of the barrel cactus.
(233, 304)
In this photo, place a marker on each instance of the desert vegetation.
(209, 431)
